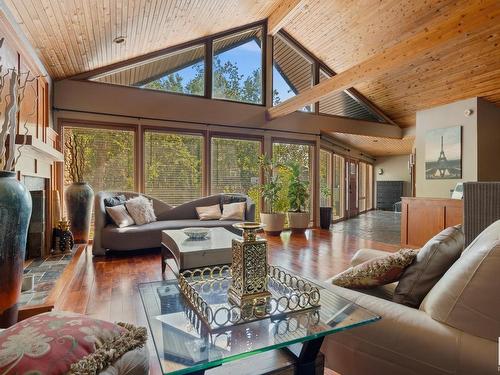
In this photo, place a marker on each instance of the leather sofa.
(454, 331)
(108, 236)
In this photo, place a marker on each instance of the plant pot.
(15, 213)
(79, 198)
(274, 223)
(325, 217)
(299, 221)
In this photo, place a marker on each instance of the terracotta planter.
(79, 198)
(15, 213)
(274, 223)
(299, 221)
(325, 217)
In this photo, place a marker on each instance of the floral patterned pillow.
(376, 272)
(51, 343)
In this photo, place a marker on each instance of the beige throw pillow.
(141, 210)
(233, 211)
(209, 212)
(120, 216)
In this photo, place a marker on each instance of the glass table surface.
(184, 344)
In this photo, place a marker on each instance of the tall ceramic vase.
(79, 198)
(15, 213)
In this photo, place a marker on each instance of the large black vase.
(15, 213)
(79, 198)
(325, 217)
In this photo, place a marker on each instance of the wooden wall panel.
(422, 218)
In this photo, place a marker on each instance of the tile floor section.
(380, 226)
(46, 272)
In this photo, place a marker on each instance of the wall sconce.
(468, 112)
(380, 171)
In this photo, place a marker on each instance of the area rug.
(46, 272)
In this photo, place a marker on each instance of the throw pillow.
(115, 200)
(141, 210)
(430, 264)
(209, 212)
(376, 272)
(59, 342)
(233, 211)
(120, 216)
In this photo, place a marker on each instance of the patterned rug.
(45, 271)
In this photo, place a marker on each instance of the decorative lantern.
(249, 268)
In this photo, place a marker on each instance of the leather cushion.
(430, 264)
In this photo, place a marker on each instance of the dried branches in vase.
(16, 84)
(75, 164)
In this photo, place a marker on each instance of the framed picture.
(443, 153)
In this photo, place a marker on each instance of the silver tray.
(206, 290)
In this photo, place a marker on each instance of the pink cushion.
(49, 343)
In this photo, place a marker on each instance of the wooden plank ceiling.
(377, 146)
(75, 36)
(344, 33)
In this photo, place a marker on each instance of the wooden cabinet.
(422, 218)
(388, 193)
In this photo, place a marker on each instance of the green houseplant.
(325, 212)
(274, 221)
(298, 197)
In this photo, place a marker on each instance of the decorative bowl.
(196, 233)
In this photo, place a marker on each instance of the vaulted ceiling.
(75, 36)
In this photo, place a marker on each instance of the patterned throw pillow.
(115, 200)
(141, 210)
(376, 272)
(57, 342)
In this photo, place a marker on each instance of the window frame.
(207, 41)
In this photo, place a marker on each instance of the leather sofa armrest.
(362, 255)
(405, 341)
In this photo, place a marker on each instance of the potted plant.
(325, 212)
(298, 195)
(274, 221)
(79, 196)
(15, 199)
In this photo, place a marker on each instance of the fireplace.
(36, 245)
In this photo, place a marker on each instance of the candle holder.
(249, 267)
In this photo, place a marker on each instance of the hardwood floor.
(106, 287)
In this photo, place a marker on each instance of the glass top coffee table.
(185, 345)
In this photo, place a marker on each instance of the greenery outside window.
(234, 167)
(325, 178)
(237, 67)
(173, 166)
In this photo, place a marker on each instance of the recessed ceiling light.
(119, 40)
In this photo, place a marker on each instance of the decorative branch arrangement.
(75, 162)
(16, 85)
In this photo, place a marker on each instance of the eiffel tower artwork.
(448, 164)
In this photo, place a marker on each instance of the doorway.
(351, 168)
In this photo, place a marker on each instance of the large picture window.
(108, 158)
(286, 153)
(173, 166)
(237, 67)
(235, 166)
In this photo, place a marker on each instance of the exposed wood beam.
(284, 12)
(476, 15)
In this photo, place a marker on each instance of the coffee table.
(187, 253)
(185, 345)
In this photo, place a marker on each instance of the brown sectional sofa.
(108, 236)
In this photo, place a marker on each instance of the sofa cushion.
(430, 264)
(57, 342)
(209, 212)
(233, 211)
(149, 235)
(120, 216)
(466, 297)
(141, 210)
(376, 272)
